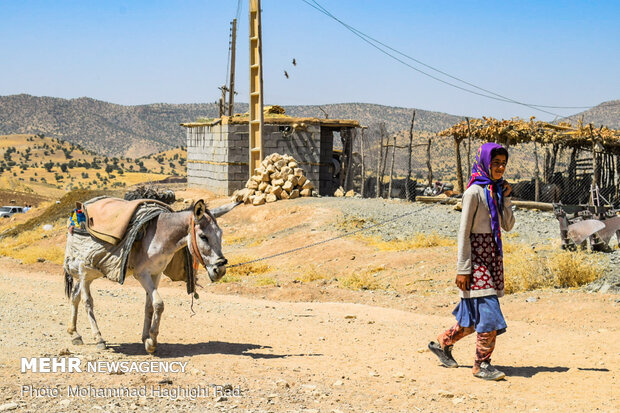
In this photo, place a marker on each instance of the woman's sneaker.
(444, 354)
(488, 372)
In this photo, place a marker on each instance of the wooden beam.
(256, 116)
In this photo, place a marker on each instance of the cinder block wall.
(207, 156)
(218, 156)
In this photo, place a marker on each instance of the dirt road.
(560, 352)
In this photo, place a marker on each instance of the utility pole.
(256, 87)
(222, 101)
(233, 47)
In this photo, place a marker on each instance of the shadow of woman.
(529, 371)
(176, 350)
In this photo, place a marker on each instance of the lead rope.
(331, 239)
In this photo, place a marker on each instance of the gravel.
(532, 227)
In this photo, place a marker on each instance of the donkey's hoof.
(101, 345)
(149, 345)
(77, 341)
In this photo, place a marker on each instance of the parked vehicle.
(8, 211)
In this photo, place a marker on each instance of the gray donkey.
(162, 237)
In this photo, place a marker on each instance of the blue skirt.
(481, 312)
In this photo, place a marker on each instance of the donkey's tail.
(68, 284)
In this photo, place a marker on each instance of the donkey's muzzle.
(218, 270)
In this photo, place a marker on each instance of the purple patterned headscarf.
(481, 175)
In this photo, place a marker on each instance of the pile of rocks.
(278, 177)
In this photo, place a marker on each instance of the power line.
(239, 7)
(489, 94)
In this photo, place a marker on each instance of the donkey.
(163, 237)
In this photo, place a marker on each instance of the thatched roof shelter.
(515, 131)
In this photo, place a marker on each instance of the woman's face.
(498, 166)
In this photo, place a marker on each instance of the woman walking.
(480, 272)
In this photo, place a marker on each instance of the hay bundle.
(278, 177)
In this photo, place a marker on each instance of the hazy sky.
(559, 53)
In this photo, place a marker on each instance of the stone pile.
(278, 177)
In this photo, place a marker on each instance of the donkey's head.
(206, 236)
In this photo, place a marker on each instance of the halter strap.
(194, 244)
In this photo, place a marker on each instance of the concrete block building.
(218, 150)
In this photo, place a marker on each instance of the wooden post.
(256, 87)
(392, 168)
(459, 167)
(385, 155)
(595, 161)
(349, 140)
(536, 175)
(363, 160)
(617, 179)
(231, 92)
(407, 182)
(428, 163)
(379, 158)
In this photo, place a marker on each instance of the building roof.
(276, 120)
(274, 115)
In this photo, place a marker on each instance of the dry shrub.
(526, 269)
(420, 240)
(311, 274)
(236, 274)
(24, 246)
(265, 281)
(362, 281)
(574, 268)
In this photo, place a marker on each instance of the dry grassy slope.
(25, 160)
(606, 113)
(106, 128)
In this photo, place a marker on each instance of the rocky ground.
(306, 344)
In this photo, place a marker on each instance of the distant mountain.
(132, 131)
(396, 119)
(607, 113)
(102, 127)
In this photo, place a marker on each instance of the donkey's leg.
(88, 303)
(149, 285)
(148, 317)
(75, 302)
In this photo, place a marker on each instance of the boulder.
(259, 200)
(288, 186)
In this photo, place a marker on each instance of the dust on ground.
(294, 338)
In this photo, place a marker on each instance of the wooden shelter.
(603, 143)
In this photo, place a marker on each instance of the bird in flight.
(286, 74)
(294, 62)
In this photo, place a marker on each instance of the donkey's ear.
(199, 209)
(219, 211)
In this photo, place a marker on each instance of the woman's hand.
(462, 281)
(507, 188)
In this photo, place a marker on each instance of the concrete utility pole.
(256, 87)
(233, 47)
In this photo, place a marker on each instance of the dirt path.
(560, 352)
